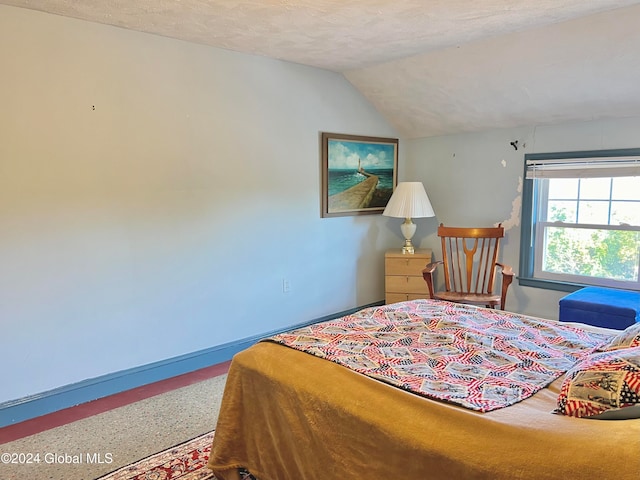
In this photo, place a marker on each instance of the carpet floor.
(118, 437)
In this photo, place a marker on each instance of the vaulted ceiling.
(430, 67)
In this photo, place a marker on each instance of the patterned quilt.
(479, 358)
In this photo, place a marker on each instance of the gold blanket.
(289, 415)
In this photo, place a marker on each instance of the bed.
(291, 414)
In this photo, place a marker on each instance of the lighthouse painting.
(359, 174)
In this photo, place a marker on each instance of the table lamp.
(409, 200)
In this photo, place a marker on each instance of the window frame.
(528, 240)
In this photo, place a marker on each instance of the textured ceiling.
(430, 67)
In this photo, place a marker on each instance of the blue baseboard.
(33, 406)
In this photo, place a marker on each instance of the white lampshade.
(409, 200)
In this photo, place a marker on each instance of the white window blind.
(592, 167)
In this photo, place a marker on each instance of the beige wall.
(155, 193)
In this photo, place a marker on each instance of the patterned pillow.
(603, 382)
(627, 338)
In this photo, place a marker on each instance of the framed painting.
(359, 174)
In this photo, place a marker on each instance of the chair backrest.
(469, 256)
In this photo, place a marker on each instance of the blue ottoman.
(602, 307)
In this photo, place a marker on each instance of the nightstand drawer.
(404, 266)
(405, 284)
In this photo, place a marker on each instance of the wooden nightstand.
(403, 275)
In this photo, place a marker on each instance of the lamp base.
(408, 229)
(408, 249)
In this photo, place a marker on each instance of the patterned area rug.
(187, 461)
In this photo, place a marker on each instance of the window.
(581, 220)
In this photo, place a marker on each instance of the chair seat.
(476, 298)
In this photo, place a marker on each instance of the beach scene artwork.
(360, 173)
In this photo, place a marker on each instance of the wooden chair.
(469, 257)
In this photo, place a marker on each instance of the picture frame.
(359, 174)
